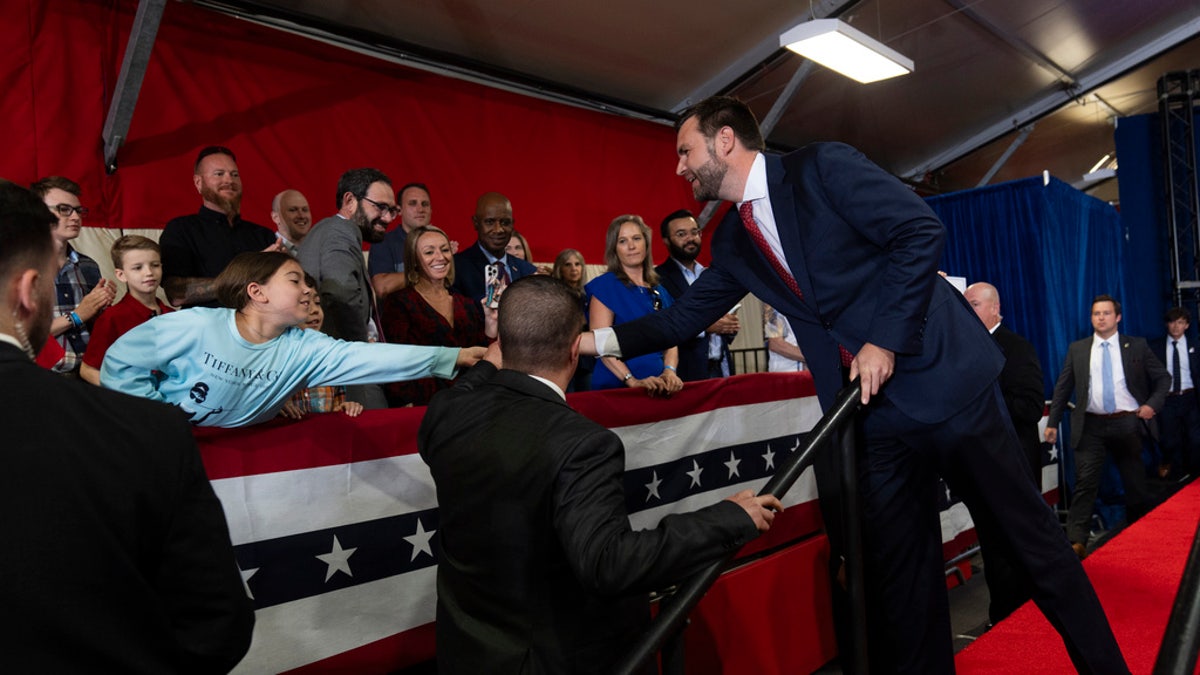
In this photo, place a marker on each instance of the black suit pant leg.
(979, 456)
(1122, 437)
(1179, 429)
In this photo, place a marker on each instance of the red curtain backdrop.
(298, 113)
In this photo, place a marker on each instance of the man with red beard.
(195, 248)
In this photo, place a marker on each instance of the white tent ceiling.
(985, 70)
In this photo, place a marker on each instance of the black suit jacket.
(116, 555)
(468, 271)
(1145, 377)
(1159, 347)
(1023, 390)
(539, 571)
(693, 353)
(864, 250)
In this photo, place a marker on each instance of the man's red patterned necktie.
(746, 211)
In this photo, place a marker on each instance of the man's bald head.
(290, 213)
(985, 300)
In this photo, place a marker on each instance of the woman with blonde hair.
(630, 290)
(569, 268)
(428, 312)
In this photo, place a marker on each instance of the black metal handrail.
(1181, 641)
(672, 615)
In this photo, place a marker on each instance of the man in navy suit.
(494, 223)
(707, 354)
(849, 255)
(1179, 422)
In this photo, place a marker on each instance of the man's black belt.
(1113, 416)
(1180, 393)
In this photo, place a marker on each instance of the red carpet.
(1135, 574)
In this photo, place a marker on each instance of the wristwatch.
(628, 377)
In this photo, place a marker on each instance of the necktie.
(503, 269)
(746, 211)
(1108, 393)
(1176, 370)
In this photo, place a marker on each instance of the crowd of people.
(297, 321)
(414, 286)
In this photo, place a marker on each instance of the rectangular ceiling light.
(850, 52)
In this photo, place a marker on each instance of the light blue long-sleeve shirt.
(196, 360)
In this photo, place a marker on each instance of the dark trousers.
(1122, 437)
(1179, 429)
(977, 453)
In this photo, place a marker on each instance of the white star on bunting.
(338, 559)
(695, 474)
(732, 464)
(246, 574)
(420, 541)
(652, 486)
(769, 456)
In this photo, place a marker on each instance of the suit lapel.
(783, 206)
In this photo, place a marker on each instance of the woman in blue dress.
(630, 290)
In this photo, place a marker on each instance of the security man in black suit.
(1117, 396)
(707, 354)
(539, 569)
(1179, 421)
(116, 555)
(1024, 398)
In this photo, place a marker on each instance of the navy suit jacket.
(468, 271)
(693, 353)
(1159, 347)
(864, 250)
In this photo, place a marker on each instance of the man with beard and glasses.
(117, 556)
(195, 248)
(332, 253)
(494, 224)
(290, 213)
(707, 354)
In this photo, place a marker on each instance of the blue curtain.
(1048, 249)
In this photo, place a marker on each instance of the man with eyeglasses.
(494, 222)
(80, 292)
(707, 354)
(332, 253)
(196, 247)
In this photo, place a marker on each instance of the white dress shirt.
(1125, 400)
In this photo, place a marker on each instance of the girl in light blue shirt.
(237, 366)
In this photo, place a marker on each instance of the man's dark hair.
(212, 150)
(400, 192)
(1104, 297)
(725, 111)
(25, 224)
(357, 182)
(48, 183)
(1176, 313)
(539, 321)
(681, 213)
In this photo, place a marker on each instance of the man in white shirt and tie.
(1119, 386)
(1179, 421)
